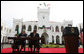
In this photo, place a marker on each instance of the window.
(69, 25)
(42, 40)
(57, 29)
(43, 17)
(62, 28)
(17, 26)
(43, 26)
(57, 39)
(35, 27)
(29, 28)
(24, 27)
(52, 39)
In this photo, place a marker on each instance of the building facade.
(5, 32)
(51, 31)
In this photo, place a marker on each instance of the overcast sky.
(59, 11)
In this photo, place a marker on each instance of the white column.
(32, 26)
(50, 39)
(54, 28)
(60, 39)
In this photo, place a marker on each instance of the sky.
(59, 11)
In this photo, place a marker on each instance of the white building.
(5, 32)
(80, 27)
(52, 31)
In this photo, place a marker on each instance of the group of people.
(21, 43)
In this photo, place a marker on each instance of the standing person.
(22, 43)
(34, 42)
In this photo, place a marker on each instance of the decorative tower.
(43, 15)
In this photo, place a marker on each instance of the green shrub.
(61, 46)
(51, 46)
(50, 43)
(47, 46)
(44, 46)
(57, 46)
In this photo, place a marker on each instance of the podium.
(71, 38)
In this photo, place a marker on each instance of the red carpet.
(43, 50)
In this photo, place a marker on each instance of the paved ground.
(9, 45)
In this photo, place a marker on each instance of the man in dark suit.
(22, 43)
(34, 42)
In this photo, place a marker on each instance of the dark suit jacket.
(32, 34)
(22, 41)
(22, 35)
(33, 42)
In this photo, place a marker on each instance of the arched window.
(57, 29)
(35, 27)
(24, 27)
(57, 39)
(69, 25)
(29, 28)
(17, 26)
(52, 39)
(42, 40)
(43, 26)
(62, 28)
